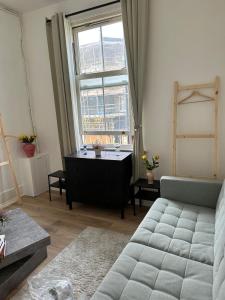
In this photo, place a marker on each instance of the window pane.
(113, 46)
(92, 110)
(90, 53)
(116, 80)
(104, 107)
(90, 83)
(116, 108)
(106, 139)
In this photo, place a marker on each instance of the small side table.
(146, 191)
(59, 184)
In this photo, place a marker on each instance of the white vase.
(150, 176)
(98, 152)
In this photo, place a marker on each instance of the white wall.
(186, 43)
(13, 93)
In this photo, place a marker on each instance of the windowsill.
(127, 148)
(121, 149)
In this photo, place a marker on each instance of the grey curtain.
(61, 83)
(135, 14)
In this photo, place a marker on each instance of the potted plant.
(28, 146)
(150, 165)
(98, 149)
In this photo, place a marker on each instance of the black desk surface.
(105, 155)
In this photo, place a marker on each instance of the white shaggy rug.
(85, 261)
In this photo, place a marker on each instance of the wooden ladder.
(212, 135)
(9, 162)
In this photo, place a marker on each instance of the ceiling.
(26, 5)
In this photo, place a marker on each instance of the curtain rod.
(89, 9)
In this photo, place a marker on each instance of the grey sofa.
(178, 250)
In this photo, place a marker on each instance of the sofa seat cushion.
(178, 228)
(142, 272)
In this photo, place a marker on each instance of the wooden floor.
(64, 225)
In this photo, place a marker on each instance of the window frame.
(102, 74)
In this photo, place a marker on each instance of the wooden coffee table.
(26, 247)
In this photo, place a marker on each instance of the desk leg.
(68, 200)
(122, 212)
(49, 189)
(122, 205)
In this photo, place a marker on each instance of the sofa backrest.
(189, 190)
(219, 249)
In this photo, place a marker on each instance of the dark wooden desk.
(103, 180)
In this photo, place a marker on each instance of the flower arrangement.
(150, 164)
(97, 148)
(28, 146)
(27, 139)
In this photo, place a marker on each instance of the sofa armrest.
(191, 191)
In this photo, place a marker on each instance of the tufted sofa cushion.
(219, 249)
(178, 228)
(177, 252)
(142, 273)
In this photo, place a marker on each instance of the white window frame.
(123, 71)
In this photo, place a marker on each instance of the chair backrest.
(219, 249)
